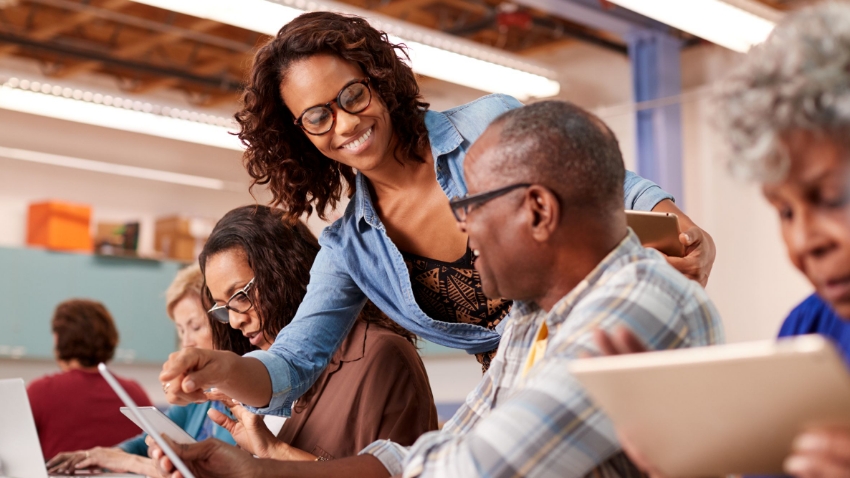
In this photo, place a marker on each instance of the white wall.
(753, 283)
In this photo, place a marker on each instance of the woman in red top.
(76, 409)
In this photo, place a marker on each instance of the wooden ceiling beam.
(50, 31)
(137, 48)
(144, 46)
(206, 68)
(215, 100)
(157, 84)
(549, 47)
(401, 8)
(80, 18)
(8, 49)
(467, 6)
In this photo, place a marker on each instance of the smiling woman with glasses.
(256, 268)
(332, 110)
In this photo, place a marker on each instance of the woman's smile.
(360, 143)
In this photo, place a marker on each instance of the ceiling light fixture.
(734, 24)
(119, 169)
(56, 101)
(432, 53)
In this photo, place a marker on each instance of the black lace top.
(451, 292)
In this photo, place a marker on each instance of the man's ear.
(545, 212)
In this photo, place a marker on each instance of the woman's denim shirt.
(359, 261)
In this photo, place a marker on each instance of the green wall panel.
(34, 281)
(431, 349)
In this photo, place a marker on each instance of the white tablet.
(727, 409)
(161, 423)
(143, 421)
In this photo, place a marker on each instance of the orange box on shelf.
(59, 225)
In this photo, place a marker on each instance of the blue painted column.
(656, 73)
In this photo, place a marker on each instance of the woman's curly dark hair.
(281, 255)
(279, 153)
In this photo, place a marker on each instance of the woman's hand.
(210, 458)
(113, 459)
(66, 463)
(820, 453)
(251, 434)
(248, 430)
(189, 372)
(699, 246)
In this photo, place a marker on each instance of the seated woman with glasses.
(332, 109)
(257, 267)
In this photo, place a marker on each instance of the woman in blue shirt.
(183, 304)
(331, 108)
(816, 316)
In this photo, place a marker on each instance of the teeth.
(357, 142)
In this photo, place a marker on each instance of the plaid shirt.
(544, 424)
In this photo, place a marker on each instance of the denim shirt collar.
(444, 138)
(442, 134)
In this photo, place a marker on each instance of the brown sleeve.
(396, 401)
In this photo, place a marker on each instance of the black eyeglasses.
(240, 302)
(462, 205)
(353, 98)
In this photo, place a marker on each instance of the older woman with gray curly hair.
(785, 114)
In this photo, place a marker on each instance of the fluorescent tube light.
(734, 24)
(118, 169)
(433, 53)
(107, 111)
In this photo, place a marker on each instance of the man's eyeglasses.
(353, 98)
(240, 302)
(462, 205)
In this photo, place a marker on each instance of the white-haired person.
(183, 304)
(786, 115)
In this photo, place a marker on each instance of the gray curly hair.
(799, 78)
